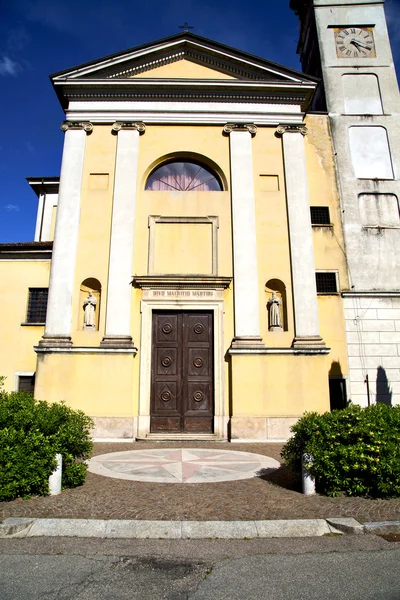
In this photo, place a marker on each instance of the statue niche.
(89, 301)
(276, 305)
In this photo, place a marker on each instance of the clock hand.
(359, 45)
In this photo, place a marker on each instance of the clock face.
(354, 42)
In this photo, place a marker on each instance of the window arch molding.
(199, 159)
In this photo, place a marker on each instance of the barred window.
(37, 305)
(320, 215)
(326, 283)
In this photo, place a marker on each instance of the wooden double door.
(182, 382)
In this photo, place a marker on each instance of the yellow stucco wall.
(100, 385)
(16, 340)
(279, 386)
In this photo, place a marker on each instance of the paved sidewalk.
(272, 497)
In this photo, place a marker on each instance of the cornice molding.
(120, 96)
(371, 294)
(181, 282)
(197, 57)
(286, 351)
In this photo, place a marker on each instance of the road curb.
(382, 527)
(15, 526)
(131, 529)
(186, 530)
(347, 525)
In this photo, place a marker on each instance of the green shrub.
(355, 450)
(32, 432)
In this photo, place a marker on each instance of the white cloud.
(11, 207)
(9, 66)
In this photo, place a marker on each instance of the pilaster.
(301, 243)
(119, 291)
(59, 306)
(246, 296)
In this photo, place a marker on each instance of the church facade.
(189, 274)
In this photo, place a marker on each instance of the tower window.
(183, 176)
(326, 283)
(320, 215)
(37, 305)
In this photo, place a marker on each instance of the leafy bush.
(32, 432)
(355, 450)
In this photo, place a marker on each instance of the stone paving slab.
(272, 496)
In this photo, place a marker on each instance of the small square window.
(37, 305)
(326, 283)
(26, 383)
(320, 215)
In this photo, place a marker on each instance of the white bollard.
(307, 480)
(55, 477)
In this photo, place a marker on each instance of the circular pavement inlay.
(181, 465)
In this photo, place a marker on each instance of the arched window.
(183, 176)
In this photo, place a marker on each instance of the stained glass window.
(183, 176)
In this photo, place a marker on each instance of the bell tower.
(346, 44)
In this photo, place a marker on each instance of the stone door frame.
(192, 300)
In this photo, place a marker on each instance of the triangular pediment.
(180, 68)
(184, 56)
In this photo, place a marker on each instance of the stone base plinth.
(308, 342)
(55, 341)
(117, 341)
(114, 428)
(261, 429)
(247, 342)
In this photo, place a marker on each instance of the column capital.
(250, 127)
(118, 125)
(291, 128)
(68, 125)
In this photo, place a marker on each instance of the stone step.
(184, 437)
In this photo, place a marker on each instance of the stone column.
(305, 302)
(119, 291)
(246, 292)
(61, 288)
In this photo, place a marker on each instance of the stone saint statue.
(275, 319)
(89, 306)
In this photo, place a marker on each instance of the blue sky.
(40, 37)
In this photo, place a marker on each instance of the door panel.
(167, 361)
(182, 372)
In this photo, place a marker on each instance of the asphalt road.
(345, 568)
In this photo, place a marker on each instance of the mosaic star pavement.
(193, 465)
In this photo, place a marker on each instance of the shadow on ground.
(282, 477)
